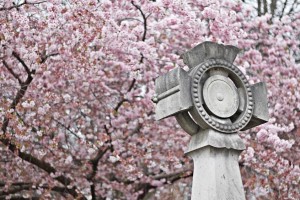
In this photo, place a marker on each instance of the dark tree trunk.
(259, 7)
(265, 6)
(274, 6)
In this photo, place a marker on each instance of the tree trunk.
(259, 7)
(265, 6)
(274, 6)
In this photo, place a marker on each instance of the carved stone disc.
(221, 96)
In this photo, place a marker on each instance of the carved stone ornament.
(214, 93)
(212, 101)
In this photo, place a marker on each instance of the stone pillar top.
(211, 102)
(207, 50)
(212, 94)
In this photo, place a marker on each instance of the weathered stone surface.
(212, 94)
(210, 137)
(260, 113)
(216, 174)
(227, 116)
(220, 96)
(187, 123)
(207, 50)
(172, 93)
(211, 102)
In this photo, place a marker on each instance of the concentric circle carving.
(222, 96)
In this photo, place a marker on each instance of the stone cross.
(212, 101)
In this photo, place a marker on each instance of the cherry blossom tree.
(77, 78)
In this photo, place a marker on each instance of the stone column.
(216, 168)
(212, 102)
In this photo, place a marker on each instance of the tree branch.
(42, 165)
(16, 6)
(292, 7)
(283, 9)
(170, 178)
(12, 72)
(94, 163)
(67, 128)
(20, 186)
(142, 56)
(101, 152)
(25, 156)
(131, 85)
(145, 26)
(144, 20)
(46, 56)
(20, 94)
(120, 103)
(22, 62)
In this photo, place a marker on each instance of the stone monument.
(211, 102)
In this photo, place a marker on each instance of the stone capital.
(216, 139)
